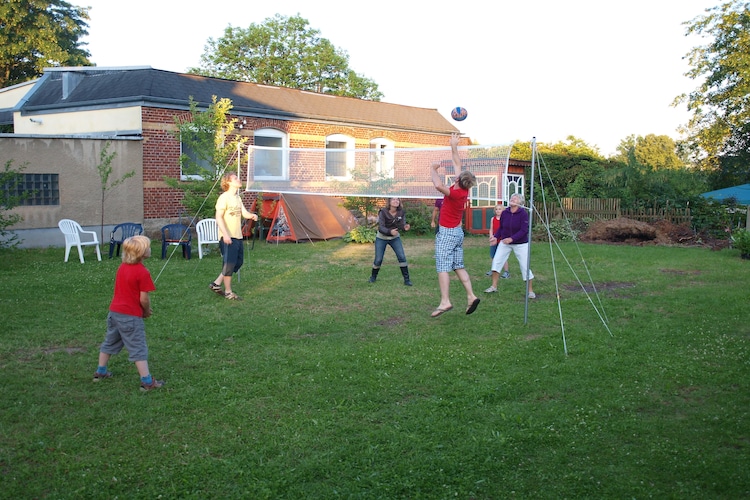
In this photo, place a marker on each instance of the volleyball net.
(378, 172)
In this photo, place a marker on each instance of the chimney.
(70, 80)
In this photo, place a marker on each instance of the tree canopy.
(286, 52)
(35, 34)
(720, 105)
(646, 171)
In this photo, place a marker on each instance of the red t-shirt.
(453, 207)
(130, 281)
(495, 224)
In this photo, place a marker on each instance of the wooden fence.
(608, 208)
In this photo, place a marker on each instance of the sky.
(546, 70)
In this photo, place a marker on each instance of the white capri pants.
(522, 254)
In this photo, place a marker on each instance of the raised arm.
(437, 181)
(454, 151)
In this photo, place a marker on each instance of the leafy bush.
(741, 241)
(715, 219)
(361, 234)
(418, 215)
(561, 229)
(10, 179)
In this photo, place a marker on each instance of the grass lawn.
(322, 385)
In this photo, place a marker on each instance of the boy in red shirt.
(130, 304)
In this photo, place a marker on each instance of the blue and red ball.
(459, 114)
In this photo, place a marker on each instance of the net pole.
(531, 223)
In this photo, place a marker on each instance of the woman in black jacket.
(391, 220)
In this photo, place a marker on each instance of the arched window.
(339, 156)
(514, 183)
(271, 154)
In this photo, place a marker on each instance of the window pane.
(336, 160)
(195, 164)
(268, 162)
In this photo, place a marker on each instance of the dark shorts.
(233, 256)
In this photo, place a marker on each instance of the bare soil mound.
(633, 232)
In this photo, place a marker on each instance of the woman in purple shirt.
(513, 236)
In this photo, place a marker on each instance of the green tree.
(10, 179)
(105, 171)
(657, 151)
(286, 52)
(210, 136)
(647, 171)
(569, 168)
(35, 34)
(720, 105)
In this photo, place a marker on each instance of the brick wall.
(161, 153)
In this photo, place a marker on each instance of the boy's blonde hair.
(466, 180)
(135, 248)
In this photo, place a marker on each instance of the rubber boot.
(405, 272)
(374, 276)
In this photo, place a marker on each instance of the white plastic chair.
(73, 232)
(208, 232)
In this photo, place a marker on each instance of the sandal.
(215, 288)
(232, 296)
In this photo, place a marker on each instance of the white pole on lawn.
(531, 219)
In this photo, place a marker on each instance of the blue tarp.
(741, 193)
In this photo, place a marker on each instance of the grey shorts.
(124, 330)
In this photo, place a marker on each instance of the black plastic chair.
(176, 234)
(120, 233)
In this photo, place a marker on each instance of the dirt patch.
(389, 322)
(661, 232)
(69, 350)
(680, 272)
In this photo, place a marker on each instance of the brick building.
(63, 121)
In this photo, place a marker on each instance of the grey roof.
(91, 87)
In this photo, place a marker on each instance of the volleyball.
(459, 114)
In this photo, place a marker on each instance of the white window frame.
(512, 184)
(490, 183)
(276, 134)
(383, 158)
(349, 155)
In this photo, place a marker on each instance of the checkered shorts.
(449, 250)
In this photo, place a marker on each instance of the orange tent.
(304, 217)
